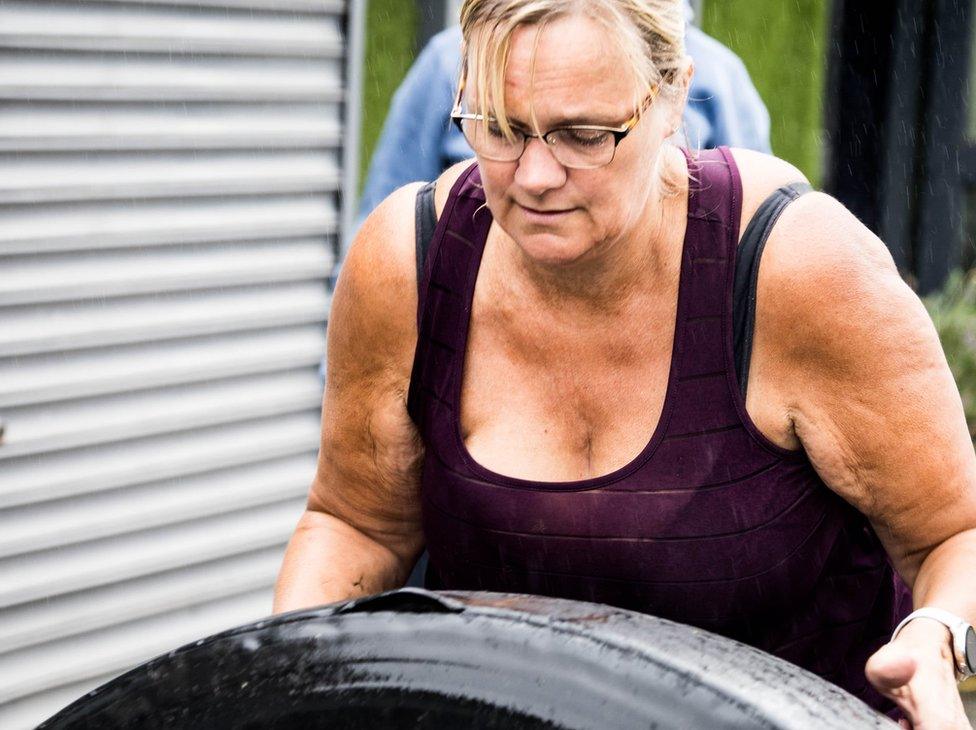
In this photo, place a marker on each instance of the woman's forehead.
(572, 67)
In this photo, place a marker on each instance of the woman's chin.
(551, 249)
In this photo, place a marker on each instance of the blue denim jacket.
(418, 140)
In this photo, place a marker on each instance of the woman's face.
(556, 214)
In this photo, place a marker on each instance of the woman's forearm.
(328, 560)
(918, 670)
(947, 577)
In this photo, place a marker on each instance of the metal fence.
(176, 175)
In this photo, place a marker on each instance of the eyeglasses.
(577, 146)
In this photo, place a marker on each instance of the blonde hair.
(650, 32)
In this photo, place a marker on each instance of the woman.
(562, 412)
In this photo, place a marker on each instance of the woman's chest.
(560, 403)
(555, 405)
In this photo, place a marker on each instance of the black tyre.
(417, 659)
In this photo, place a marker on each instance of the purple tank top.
(710, 525)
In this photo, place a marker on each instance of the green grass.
(782, 43)
(391, 40)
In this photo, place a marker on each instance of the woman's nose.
(538, 169)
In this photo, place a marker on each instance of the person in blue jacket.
(418, 141)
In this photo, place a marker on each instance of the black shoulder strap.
(425, 222)
(747, 260)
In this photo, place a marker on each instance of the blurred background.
(180, 178)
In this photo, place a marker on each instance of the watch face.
(971, 648)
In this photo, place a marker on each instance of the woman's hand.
(916, 670)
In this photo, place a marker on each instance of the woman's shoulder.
(816, 228)
(379, 274)
(815, 232)
(374, 307)
(761, 174)
(821, 267)
(385, 246)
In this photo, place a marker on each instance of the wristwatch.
(963, 637)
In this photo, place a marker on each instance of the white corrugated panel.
(175, 178)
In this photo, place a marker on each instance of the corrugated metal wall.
(170, 194)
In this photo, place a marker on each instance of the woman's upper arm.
(370, 453)
(865, 380)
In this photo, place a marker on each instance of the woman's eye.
(494, 130)
(585, 137)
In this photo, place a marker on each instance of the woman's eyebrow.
(565, 122)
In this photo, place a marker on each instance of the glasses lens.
(581, 148)
(487, 139)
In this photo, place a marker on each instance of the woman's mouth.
(544, 215)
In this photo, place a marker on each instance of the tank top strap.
(703, 371)
(714, 208)
(444, 300)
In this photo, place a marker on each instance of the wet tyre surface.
(420, 659)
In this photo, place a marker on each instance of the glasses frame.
(458, 117)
